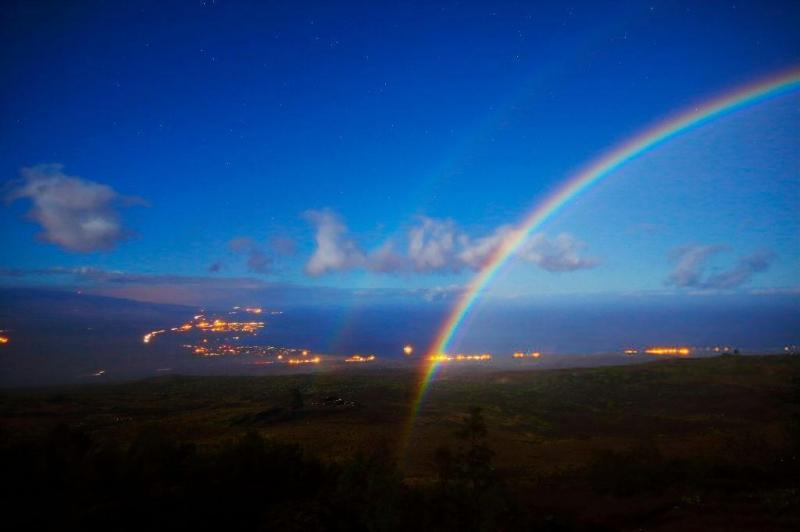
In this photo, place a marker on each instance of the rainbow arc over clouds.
(598, 169)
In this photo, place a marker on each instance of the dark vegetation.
(708, 444)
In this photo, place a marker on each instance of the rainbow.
(753, 93)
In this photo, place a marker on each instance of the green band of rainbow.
(750, 94)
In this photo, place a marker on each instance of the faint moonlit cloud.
(75, 214)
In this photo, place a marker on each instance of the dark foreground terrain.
(693, 444)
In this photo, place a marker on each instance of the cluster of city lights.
(679, 351)
(215, 325)
(218, 351)
(206, 350)
(281, 355)
(360, 358)
(460, 358)
(310, 360)
(255, 310)
(219, 325)
(152, 334)
(532, 354)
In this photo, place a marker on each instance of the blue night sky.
(211, 150)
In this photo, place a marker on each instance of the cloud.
(385, 259)
(92, 274)
(776, 291)
(476, 252)
(690, 262)
(240, 244)
(562, 253)
(441, 293)
(215, 291)
(741, 272)
(184, 290)
(691, 265)
(432, 246)
(283, 245)
(335, 250)
(559, 254)
(161, 288)
(258, 261)
(74, 213)
(437, 246)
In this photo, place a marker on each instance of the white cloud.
(432, 246)
(559, 254)
(335, 250)
(475, 252)
(386, 260)
(436, 246)
(74, 213)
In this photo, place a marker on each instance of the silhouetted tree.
(474, 457)
(444, 464)
(469, 494)
(296, 399)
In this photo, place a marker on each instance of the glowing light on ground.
(360, 358)
(679, 351)
(149, 336)
(482, 357)
(211, 327)
(217, 325)
(296, 361)
(206, 350)
(408, 350)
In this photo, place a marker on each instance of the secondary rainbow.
(775, 85)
